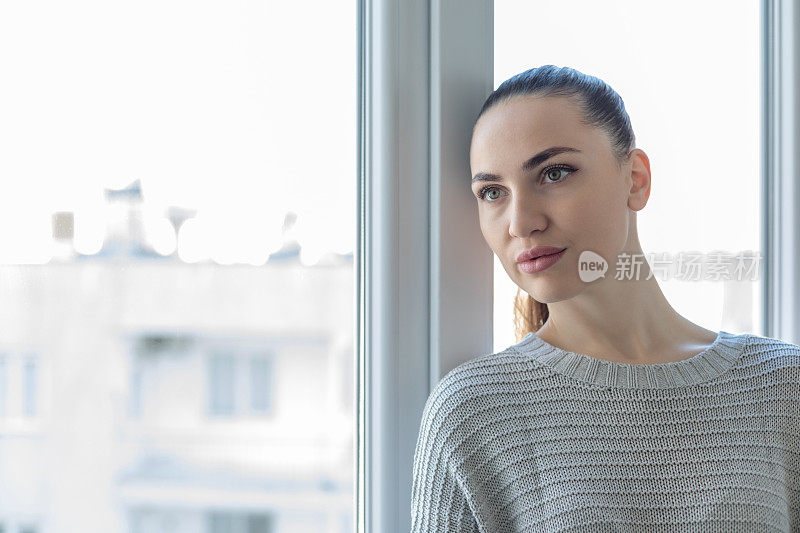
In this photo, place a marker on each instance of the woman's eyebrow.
(530, 164)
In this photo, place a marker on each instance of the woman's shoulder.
(773, 354)
(461, 390)
(771, 347)
(464, 393)
(480, 370)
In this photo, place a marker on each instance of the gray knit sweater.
(538, 439)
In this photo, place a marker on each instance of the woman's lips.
(541, 263)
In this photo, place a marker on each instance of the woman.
(613, 412)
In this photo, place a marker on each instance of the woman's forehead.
(529, 116)
(519, 125)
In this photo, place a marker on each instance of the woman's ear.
(638, 168)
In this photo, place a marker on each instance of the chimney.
(177, 216)
(124, 226)
(290, 250)
(63, 224)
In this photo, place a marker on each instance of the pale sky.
(242, 110)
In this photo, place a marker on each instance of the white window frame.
(425, 68)
(780, 190)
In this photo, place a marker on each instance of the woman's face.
(577, 199)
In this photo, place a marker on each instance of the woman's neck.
(627, 321)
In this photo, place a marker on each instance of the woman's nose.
(527, 215)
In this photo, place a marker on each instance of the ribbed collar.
(705, 366)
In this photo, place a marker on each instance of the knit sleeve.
(442, 511)
(438, 503)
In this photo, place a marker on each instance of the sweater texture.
(539, 439)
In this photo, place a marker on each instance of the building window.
(221, 385)
(155, 360)
(135, 404)
(29, 387)
(3, 393)
(228, 522)
(240, 385)
(260, 385)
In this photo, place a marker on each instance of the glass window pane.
(183, 206)
(3, 385)
(222, 393)
(694, 104)
(259, 524)
(29, 387)
(222, 523)
(135, 395)
(260, 385)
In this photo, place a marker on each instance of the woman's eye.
(485, 194)
(554, 173)
(489, 191)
